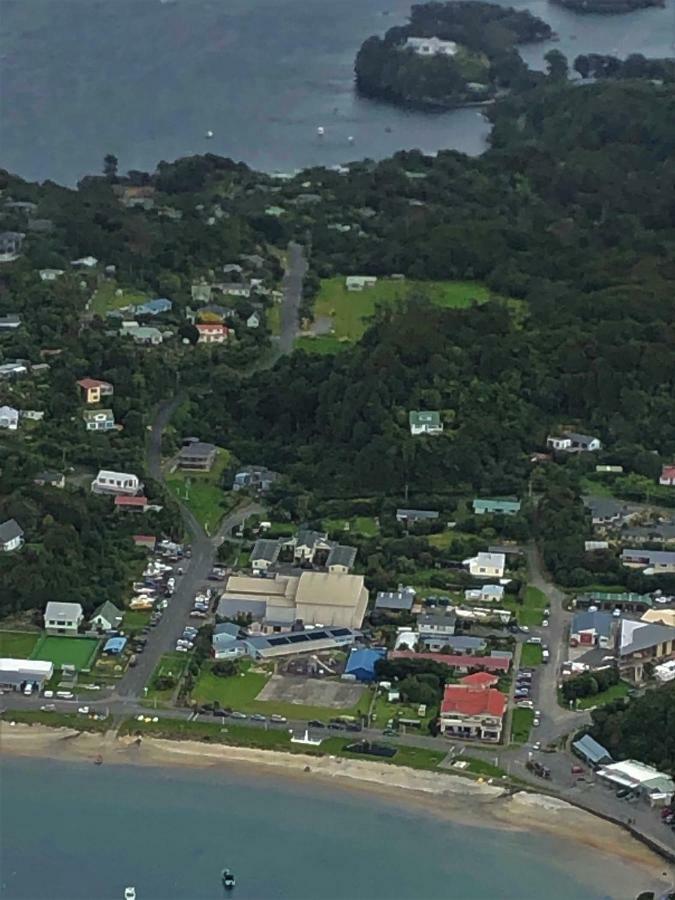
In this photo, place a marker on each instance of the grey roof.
(266, 549)
(465, 642)
(663, 557)
(602, 622)
(579, 438)
(230, 628)
(57, 610)
(434, 618)
(108, 611)
(48, 476)
(224, 639)
(395, 600)
(231, 606)
(604, 507)
(10, 530)
(10, 320)
(197, 450)
(340, 555)
(649, 635)
(416, 514)
(591, 750)
(307, 538)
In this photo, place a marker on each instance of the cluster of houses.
(306, 549)
(600, 638)
(94, 392)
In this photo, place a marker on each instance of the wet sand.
(611, 858)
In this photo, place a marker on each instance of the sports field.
(72, 651)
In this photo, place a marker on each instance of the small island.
(608, 6)
(450, 54)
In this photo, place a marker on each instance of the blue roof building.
(361, 663)
(114, 646)
(591, 751)
(154, 307)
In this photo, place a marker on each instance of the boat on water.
(228, 880)
(129, 893)
(320, 130)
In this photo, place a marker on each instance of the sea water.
(146, 80)
(81, 832)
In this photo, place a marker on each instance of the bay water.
(146, 80)
(73, 831)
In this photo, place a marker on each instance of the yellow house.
(93, 389)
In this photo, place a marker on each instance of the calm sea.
(146, 79)
(78, 832)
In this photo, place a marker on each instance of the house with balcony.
(473, 711)
(652, 562)
(212, 333)
(641, 646)
(99, 419)
(197, 456)
(667, 476)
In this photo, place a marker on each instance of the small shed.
(114, 646)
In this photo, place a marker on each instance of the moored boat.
(228, 880)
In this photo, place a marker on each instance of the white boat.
(209, 134)
(129, 893)
(320, 130)
(350, 139)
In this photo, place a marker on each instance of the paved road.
(292, 288)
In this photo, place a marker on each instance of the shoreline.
(438, 794)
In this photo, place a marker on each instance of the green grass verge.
(18, 644)
(135, 619)
(173, 664)
(75, 651)
(350, 310)
(362, 525)
(383, 711)
(521, 725)
(531, 655)
(616, 692)
(203, 492)
(54, 719)
(240, 691)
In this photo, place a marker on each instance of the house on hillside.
(425, 422)
(51, 274)
(11, 243)
(99, 419)
(154, 307)
(212, 333)
(574, 442)
(306, 544)
(436, 625)
(430, 46)
(50, 479)
(256, 478)
(607, 511)
(10, 322)
(141, 334)
(488, 593)
(341, 559)
(490, 565)
(9, 418)
(643, 644)
(652, 562)
(11, 536)
(63, 618)
(107, 617)
(93, 389)
(109, 482)
(132, 504)
(253, 320)
(198, 456)
(201, 293)
(401, 600)
(668, 476)
(496, 507)
(85, 262)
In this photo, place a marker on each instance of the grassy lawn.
(531, 611)
(521, 724)
(18, 644)
(473, 66)
(350, 310)
(595, 488)
(240, 691)
(384, 710)
(169, 664)
(531, 655)
(616, 692)
(364, 525)
(78, 652)
(55, 719)
(322, 344)
(273, 319)
(203, 492)
(105, 299)
(135, 619)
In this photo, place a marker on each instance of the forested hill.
(570, 213)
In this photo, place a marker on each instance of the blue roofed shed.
(591, 751)
(154, 307)
(114, 646)
(361, 663)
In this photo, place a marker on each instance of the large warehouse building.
(314, 598)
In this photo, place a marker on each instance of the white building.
(574, 442)
(432, 46)
(63, 618)
(108, 482)
(490, 565)
(11, 536)
(489, 593)
(644, 780)
(665, 672)
(360, 282)
(15, 674)
(9, 418)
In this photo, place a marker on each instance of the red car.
(578, 770)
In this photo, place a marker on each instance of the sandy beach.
(634, 866)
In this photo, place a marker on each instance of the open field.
(135, 619)
(203, 492)
(240, 692)
(531, 611)
(55, 719)
(383, 711)
(350, 310)
(105, 299)
(18, 644)
(74, 651)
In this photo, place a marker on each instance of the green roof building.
(496, 507)
(425, 422)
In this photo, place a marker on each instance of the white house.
(11, 536)
(574, 442)
(9, 418)
(360, 282)
(432, 46)
(668, 476)
(85, 262)
(490, 565)
(253, 320)
(107, 617)
(489, 593)
(51, 274)
(425, 422)
(63, 618)
(107, 482)
(16, 673)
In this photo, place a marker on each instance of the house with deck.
(574, 442)
(197, 456)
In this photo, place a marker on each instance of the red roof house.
(140, 503)
(480, 679)
(94, 389)
(668, 476)
(212, 333)
(145, 540)
(472, 712)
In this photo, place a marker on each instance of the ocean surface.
(78, 832)
(146, 79)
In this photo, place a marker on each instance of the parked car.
(544, 624)
(315, 723)
(336, 726)
(83, 710)
(47, 707)
(256, 717)
(536, 722)
(525, 704)
(238, 715)
(133, 660)
(280, 720)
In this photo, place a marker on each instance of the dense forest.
(484, 61)
(642, 728)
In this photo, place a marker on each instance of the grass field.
(169, 664)
(531, 611)
(364, 525)
(18, 644)
(55, 719)
(531, 655)
(239, 693)
(203, 492)
(105, 300)
(350, 310)
(135, 619)
(521, 724)
(383, 711)
(78, 652)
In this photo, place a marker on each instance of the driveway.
(292, 288)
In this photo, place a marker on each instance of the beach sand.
(613, 859)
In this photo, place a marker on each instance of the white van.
(28, 689)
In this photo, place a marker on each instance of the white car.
(84, 710)
(544, 624)
(47, 707)
(525, 704)
(536, 722)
